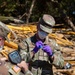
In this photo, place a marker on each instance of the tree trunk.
(30, 11)
(64, 15)
(70, 23)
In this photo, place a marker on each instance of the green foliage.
(19, 7)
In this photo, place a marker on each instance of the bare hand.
(23, 65)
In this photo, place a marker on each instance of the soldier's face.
(1, 43)
(42, 34)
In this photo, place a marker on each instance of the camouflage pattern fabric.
(7, 67)
(58, 58)
(41, 65)
(11, 71)
(4, 30)
(58, 61)
(28, 73)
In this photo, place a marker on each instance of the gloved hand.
(38, 45)
(47, 49)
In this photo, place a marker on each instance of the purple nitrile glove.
(38, 45)
(47, 49)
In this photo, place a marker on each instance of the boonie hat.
(4, 30)
(46, 23)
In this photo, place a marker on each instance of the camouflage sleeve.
(55, 45)
(58, 57)
(28, 73)
(22, 45)
(25, 54)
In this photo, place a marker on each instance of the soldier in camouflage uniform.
(7, 69)
(42, 52)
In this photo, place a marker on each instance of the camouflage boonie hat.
(4, 30)
(46, 23)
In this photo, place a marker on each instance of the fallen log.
(31, 29)
(69, 58)
(65, 71)
(10, 19)
(66, 42)
(11, 45)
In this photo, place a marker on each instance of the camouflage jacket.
(41, 63)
